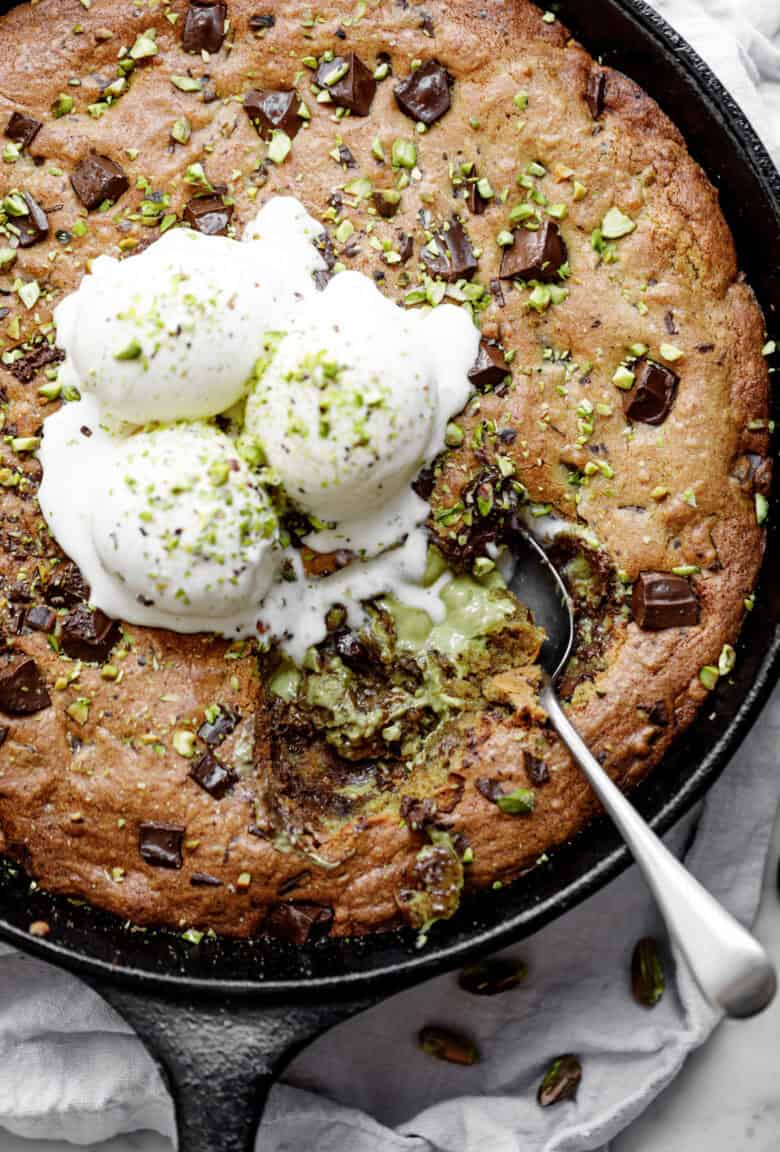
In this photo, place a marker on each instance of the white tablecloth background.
(71, 1070)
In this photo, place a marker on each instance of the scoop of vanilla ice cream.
(346, 408)
(182, 524)
(172, 333)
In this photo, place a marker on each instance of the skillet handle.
(221, 1056)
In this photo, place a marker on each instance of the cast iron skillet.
(225, 1016)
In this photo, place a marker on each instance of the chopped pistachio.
(670, 353)
(557, 211)
(50, 391)
(344, 231)
(382, 70)
(686, 569)
(404, 154)
(521, 802)
(187, 83)
(520, 100)
(145, 46)
(483, 566)
(580, 191)
(181, 130)
(769, 348)
(62, 106)
(244, 880)
(30, 294)
(616, 225)
(541, 298)
(25, 443)
(377, 151)
(762, 507)
(624, 378)
(454, 435)
(132, 351)
(184, 742)
(726, 660)
(505, 239)
(280, 147)
(709, 676)
(7, 258)
(79, 710)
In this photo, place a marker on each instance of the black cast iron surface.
(224, 1015)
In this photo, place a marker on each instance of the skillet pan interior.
(630, 36)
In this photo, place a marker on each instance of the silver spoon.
(731, 968)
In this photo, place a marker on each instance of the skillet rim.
(718, 106)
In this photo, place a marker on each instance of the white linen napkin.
(72, 1070)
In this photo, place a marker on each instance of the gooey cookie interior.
(466, 159)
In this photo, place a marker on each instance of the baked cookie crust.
(650, 284)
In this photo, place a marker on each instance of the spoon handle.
(731, 968)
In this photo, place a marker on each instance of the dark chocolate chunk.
(497, 292)
(298, 922)
(424, 94)
(270, 111)
(204, 26)
(536, 255)
(293, 882)
(40, 618)
(387, 201)
(753, 472)
(490, 368)
(418, 814)
(652, 396)
(561, 1081)
(208, 214)
(213, 732)
(261, 20)
(4, 730)
(659, 714)
(204, 880)
(160, 844)
(88, 634)
(66, 586)
(537, 770)
(26, 367)
(22, 688)
(595, 91)
(405, 247)
(356, 654)
(22, 129)
(663, 600)
(352, 84)
(97, 179)
(346, 158)
(455, 259)
(491, 789)
(213, 776)
(33, 227)
(476, 201)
